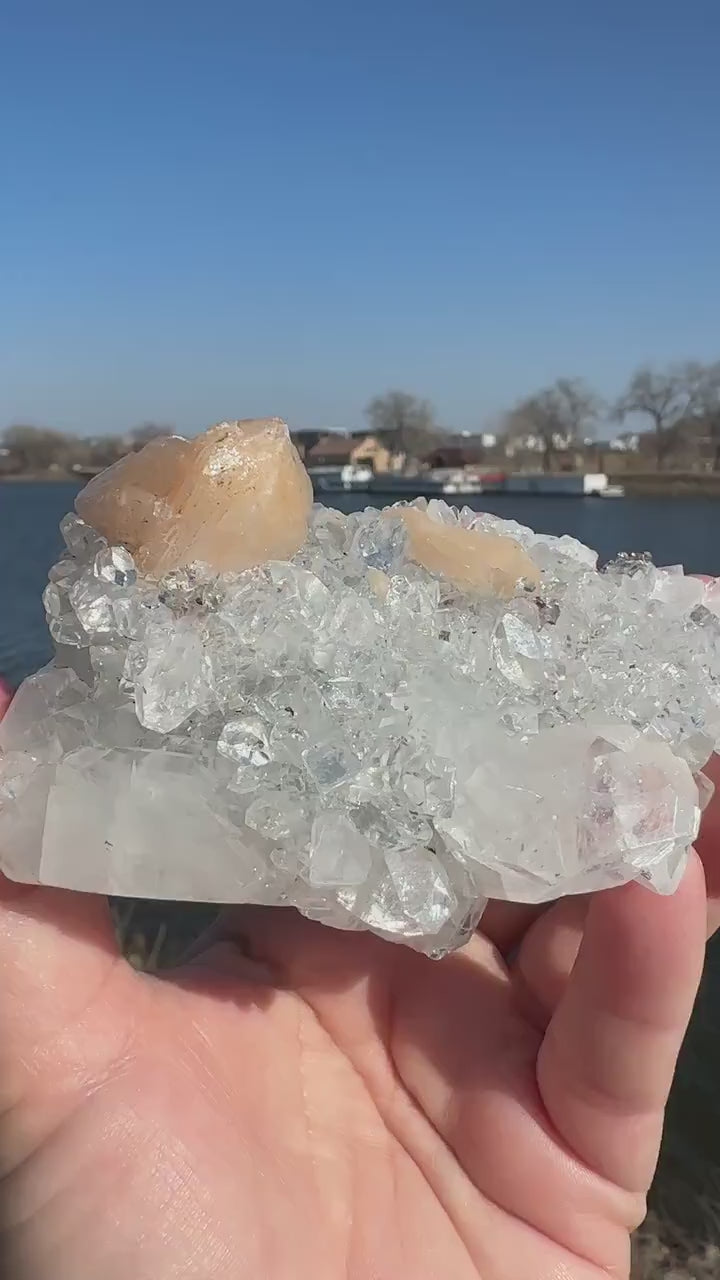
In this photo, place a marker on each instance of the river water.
(673, 530)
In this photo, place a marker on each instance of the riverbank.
(640, 484)
(668, 484)
(41, 477)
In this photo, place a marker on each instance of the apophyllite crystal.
(384, 718)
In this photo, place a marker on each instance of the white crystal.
(115, 565)
(29, 723)
(350, 733)
(66, 571)
(572, 808)
(170, 683)
(330, 765)
(422, 887)
(518, 651)
(566, 547)
(107, 662)
(23, 804)
(680, 593)
(109, 812)
(93, 606)
(80, 539)
(382, 545)
(441, 511)
(339, 854)
(245, 740)
(711, 596)
(282, 818)
(67, 630)
(54, 601)
(308, 597)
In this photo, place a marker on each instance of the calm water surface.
(674, 530)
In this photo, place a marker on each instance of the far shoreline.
(43, 477)
(641, 484)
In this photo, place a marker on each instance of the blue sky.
(226, 209)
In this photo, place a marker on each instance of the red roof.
(330, 448)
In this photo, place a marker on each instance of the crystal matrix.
(318, 713)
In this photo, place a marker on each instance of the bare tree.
(669, 398)
(148, 431)
(104, 450)
(706, 409)
(405, 423)
(37, 448)
(556, 418)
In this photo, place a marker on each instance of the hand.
(300, 1104)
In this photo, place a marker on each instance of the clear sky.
(218, 209)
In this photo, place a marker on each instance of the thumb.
(56, 952)
(57, 957)
(607, 1061)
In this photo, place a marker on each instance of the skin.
(300, 1104)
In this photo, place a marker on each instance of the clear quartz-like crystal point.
(81, 539)
(338, 854)
(115, 565)
(384, 718)
(245, 740)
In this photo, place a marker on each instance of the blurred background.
(465, 249)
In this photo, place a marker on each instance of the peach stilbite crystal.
(234, 497)
(489, 563)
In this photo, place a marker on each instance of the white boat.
(459, 482)
(566, 484)
(345, 479)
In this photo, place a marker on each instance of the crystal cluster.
(383, 718)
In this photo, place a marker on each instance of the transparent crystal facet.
(115, 565)
(339, 854)
(245, 740)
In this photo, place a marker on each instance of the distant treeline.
(670, 417)
(32, 449)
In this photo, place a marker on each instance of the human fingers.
(549, 945)
(56, 949)
(57, 952)
(505, 924)
(708, 845)
(544, 960)
(608, 1056)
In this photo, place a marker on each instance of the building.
(331, 450)
(304, 440)
(456, 451)
(628, 442)
(357, 449)
(8, 464)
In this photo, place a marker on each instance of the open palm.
(296, 1102)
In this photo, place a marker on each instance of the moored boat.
(459, 483)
